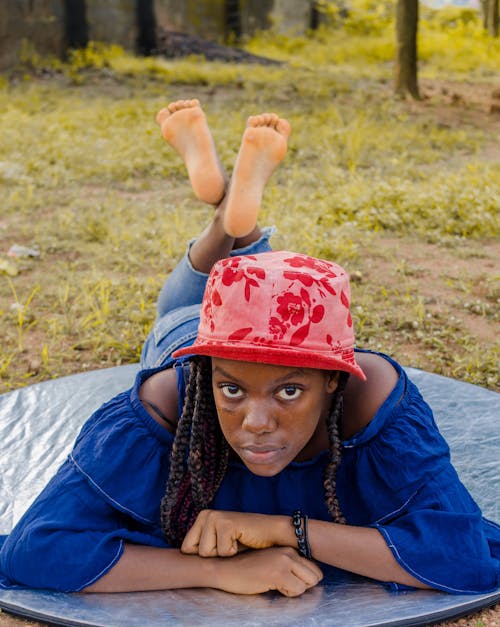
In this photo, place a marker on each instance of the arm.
(72, 540)
(150, 568)
(361, 550)
(142, 568)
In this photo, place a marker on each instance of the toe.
(162, 115)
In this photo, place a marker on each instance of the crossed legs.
(237, 202)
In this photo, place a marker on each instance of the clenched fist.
(223, 534)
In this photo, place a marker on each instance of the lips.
(260, 454)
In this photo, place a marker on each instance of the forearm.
(360, 550)
(143, 568)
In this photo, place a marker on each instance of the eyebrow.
(301, 372)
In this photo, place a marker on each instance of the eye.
(289, 393)
(230, 390)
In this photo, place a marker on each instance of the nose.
(259, 418)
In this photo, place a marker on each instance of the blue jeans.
(179, 304)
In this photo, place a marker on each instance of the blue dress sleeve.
(398, 478)
(106, 493)
(67, 539)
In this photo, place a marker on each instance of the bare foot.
(262, 149)
(184, 126)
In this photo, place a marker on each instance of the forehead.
(246, 370)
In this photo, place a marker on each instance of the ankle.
(213, 244)
(251, 238)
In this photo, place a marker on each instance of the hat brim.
(274, 356)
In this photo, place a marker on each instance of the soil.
(439, 277)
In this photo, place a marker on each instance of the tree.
(232, 21)
(146, 26)
(491, 15)
(405, 67)
(489, 9)
(75, 22)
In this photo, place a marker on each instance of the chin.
(264, 470)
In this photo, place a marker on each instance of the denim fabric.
(179, 306)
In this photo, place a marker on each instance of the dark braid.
(177, 480)
(333, 424)
(199, 456)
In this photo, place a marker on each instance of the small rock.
(34, 366)
(23, 251)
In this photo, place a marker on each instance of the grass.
(369, 181)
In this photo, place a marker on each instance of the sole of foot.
(184, 126)
(263, 147)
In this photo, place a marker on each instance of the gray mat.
(38, 425)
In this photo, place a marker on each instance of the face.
(272, 415)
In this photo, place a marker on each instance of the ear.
(332, 380)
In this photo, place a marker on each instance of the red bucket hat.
(279, 308)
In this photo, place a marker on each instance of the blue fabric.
(395, 475)
(179, 305)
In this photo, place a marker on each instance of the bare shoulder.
(160, 399)
(362, 399)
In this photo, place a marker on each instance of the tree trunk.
(484, 13)
(76, 27)
(146, 27)
(232, 21)
(405, 67)
(492, 18)
(315, 16)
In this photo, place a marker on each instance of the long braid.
(333, 424)
(209, 449)
(177, 479)
(199, 456)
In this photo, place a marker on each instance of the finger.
(193, 536)
(307, 571)
(207, 546)
(292, 586)
(192, 539)
(189, 546)
(227, 544)
(297, 584)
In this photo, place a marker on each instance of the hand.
(218, 533)
(278, 568)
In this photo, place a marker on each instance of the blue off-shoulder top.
(395, 475)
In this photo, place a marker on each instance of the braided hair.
(333, 424)
(200, 455)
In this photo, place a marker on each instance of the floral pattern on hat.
(277, 306)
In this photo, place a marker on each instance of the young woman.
(257, 442)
